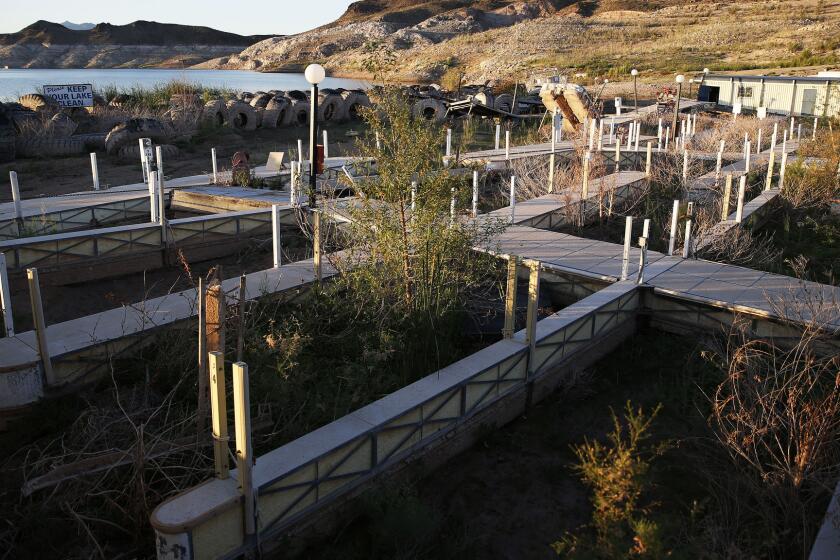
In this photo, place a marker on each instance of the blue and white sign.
(71, 95)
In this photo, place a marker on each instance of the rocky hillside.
(497, 39)
(140, 44)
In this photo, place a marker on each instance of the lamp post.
(314, 74)
(635, 73)
(680, 79)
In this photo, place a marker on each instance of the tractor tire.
(182, 101)
(94, 141)
(331, 108)
(36, 102)
(430, 110)
(246, 96)
(281, 105)
(7, 137)
(299, 113)
(484, 98)
(62, 125)
(241, 116)
(258, 115)
(131, 131)
(131, 152)
(297, 95)
(261, 100)
(120, 100)
(49, 147)
(504, 102)
(354, 104)
(214, 112)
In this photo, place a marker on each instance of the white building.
(786, 95)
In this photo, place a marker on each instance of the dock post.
(552, 163)
(675, 219)
(512, 198)
(507, 144)
(161, 202)
(294, 177)
(742, 187)
(218, 413)
(612, 130)
(727, 195)
(215, 166)
(646, 228)
(630, 136)
(474, 195)
(498, 135)
(244, 447)
(769, 182)
(40, 325)
(452, 207)
(413, 195)
(659, 135)
(510, 297)
(782, 169)
(799, 132)
(153, 203)
(240, 331)
(649, 160)
(316, 236)
(326, 145)
(774, 137)
(378, 141)
(584, 191)
(617, 156)
(628, 232)
(277, 248)
(201, 305)
(6, 298)
(532, 316)
(448, 142)
(215, 310)
(13, 179)
(814, 129)
(685, 165)
(667, 137)
(592, 135)
(687, 245)
(640, 277)
(600, 135)
(758, 143)
(94, 169)
(747, 158)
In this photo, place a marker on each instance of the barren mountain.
(142, 43)
(497, 39)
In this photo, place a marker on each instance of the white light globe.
(634, 72)
(680, 78)
(315, 74)
(705, 70)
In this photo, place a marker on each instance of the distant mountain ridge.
(78, 26)
(46, 44)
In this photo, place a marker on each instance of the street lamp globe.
(680, 78)
(634, 72)
(705, 70)
(315, 74)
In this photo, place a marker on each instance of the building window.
(744, 91)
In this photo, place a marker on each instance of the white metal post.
(687, 246)
(747, 159)
(592, 135)
(667, 136)
(275, 234)
(722, 146)
(452, 208)
(244, 447)
(646, 228)
(300, 151)
(630, 137)
(326, 145)
(498, 135)
(814, 129)
(153, 203)
(6, 298)
(758, 142)
(659, 135)
(413, 195)
(718, 166)
(775, 137)
(13, 179)
(378, 142)
(507, 144)
(640, 278)
(617, 155)
(770, 165)
(475, 195)
(685, 166)
(675, 218)
(600, 134)
(628, 232)
(448, 142)
(161, 200)
(512, 198)
(612, 130)
(649, 159)
(215, 165)
(799, 132)
(742, 188)
(94, 170)
(293, 178)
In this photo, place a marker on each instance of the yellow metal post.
(218, 406)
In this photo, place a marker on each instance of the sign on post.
(147, 157)
(71, 95)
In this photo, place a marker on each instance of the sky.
(246, 17)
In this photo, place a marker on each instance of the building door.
(708, 93)
(809, 101)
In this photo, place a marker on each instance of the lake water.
(16, 82)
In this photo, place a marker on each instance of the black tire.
(261, 100)
(133, 130)
(299, 113)
(331, 108)
(36, 102)
(430, 110)
(49, 147)
(354, 103)
(279, 109)
(7, 137)
(214, 112)
(241, 116)
(504, 102)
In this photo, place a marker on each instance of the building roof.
(758, 77)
